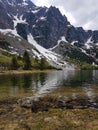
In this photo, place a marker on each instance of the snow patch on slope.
(53, 58)
(35, 11)
(43, 18)
(72, 43)
(48, 54)
(18, 20)
(9, 31)
(58, 42)
(63, 39)
(25, 2)
(87, 44)
(84, 51)
(14, 31)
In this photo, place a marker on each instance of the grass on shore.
(23, 71)
(13, 117)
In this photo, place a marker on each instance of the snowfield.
(53, 58)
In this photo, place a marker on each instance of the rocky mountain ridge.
(46, 26)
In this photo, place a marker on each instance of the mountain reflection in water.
(45, 82)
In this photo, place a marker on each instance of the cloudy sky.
(79, 12)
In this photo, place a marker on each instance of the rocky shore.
(49, 113)
(45, 103)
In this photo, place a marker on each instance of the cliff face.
(47, 26)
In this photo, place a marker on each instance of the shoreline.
(13, 117)
(24, 71)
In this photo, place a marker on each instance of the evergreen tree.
(14, 63)
(27, 61)
(36, 60)
(42, 63)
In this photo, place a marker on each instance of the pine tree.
(42, 63)
(14, 63)
(27, 61)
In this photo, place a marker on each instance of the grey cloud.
(85, 12)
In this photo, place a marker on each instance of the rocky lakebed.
(37, 104)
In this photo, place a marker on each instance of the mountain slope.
(28, 27)
(17, 45)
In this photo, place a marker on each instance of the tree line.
(27, 62)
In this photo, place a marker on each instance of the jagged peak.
(54, 9)
(55, 12)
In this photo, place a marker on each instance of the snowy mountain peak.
(46, 27)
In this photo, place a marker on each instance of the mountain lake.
(69, 82)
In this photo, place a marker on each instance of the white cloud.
(42, 2)
(87, 25)
(79, 12)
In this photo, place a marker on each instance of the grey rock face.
(5, 20)
(49, 27)
(94, 36)
(22, 30)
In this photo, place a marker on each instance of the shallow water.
(70, 81)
